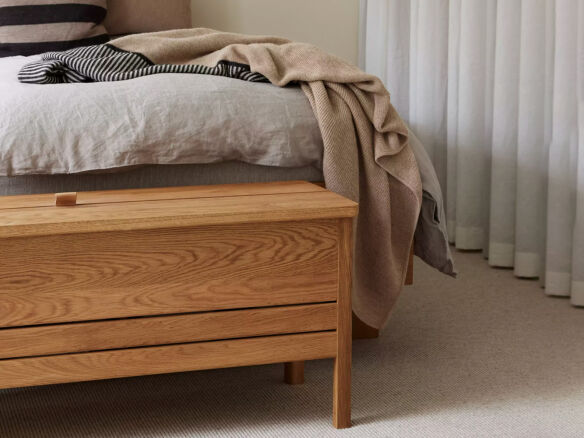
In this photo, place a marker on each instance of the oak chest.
(103, 285)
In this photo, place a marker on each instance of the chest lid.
(169, 207)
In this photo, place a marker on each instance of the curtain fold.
(495, 92)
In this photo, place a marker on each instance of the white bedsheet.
(159, 119)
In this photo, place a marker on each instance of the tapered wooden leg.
(410, 274)
(342, 372)
(294, 372)
(362, 330)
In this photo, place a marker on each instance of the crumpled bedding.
(44, 130)
(188, 119)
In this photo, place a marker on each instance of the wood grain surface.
(164, 193)
(110, 364)
(294, 372)
(410, 273)
(173, 213)
(68, 199)
(52, 279)
(342, 367)
(174, 329)
(151, 281)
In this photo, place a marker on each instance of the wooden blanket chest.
(103, 285)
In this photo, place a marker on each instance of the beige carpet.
(485, 355)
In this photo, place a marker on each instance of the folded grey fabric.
(431, 237)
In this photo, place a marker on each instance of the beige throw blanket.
(366, 153)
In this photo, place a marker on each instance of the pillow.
(28, 27)
(136, 16)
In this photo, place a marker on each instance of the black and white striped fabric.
(106, 63)
(28, 27)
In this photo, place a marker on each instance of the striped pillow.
(28, 27)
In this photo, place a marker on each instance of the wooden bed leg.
(294, 373)
(362, 330)
(342, 370)
(410, 274)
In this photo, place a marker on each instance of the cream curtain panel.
(495, 91)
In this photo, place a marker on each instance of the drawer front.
(163, 330)
(82, 277)
(46, 370)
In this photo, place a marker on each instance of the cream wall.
(330, 24)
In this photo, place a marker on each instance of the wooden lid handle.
(65, 199)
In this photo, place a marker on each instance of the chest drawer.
(107, 275)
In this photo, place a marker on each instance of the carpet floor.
(486, 355)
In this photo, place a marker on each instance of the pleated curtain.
(495, 91)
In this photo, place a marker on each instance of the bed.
(248, 131)
(139, 139)
(163, 131)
